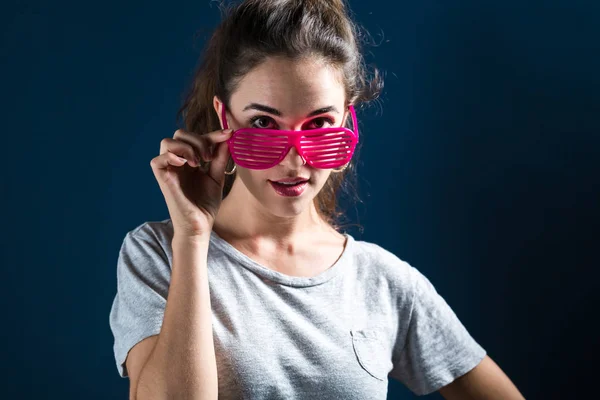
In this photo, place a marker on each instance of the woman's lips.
(291, 180)
(289, 190)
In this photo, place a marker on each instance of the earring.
(232, 171)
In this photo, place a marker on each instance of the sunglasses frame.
(293, 140)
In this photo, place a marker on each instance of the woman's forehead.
(288, 85)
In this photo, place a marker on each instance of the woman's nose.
(293, 159)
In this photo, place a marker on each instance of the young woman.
(249, 290)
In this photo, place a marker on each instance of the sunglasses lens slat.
(261, 142)
(258, 150)
(256, 157)
(327, 156)
(338, 146)
(326, 145)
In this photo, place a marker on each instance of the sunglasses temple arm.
(224, 116)
(354, 122)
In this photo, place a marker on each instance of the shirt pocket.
(372, 352)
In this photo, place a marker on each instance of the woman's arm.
(484, 382)
(182, 364)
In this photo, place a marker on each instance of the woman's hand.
(193, 193)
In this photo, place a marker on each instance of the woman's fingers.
(166, 159)
(205, 144)
(179, 148)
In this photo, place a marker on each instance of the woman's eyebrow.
(271, 110)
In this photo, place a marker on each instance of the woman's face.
(290, 95)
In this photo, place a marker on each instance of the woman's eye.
(261, 122)
(320, 122)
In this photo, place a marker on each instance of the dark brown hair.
(251, 31)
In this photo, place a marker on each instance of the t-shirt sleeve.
(143, 275)
(437, 348)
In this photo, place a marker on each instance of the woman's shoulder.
(159, 231)
(150, 239)
(376, 253)
(372, 256)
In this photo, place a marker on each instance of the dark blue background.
(479, 167)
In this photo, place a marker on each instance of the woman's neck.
(255, 222)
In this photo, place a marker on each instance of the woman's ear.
(217, 104)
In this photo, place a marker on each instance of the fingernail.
(228, 130)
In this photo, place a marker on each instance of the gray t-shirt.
(337, 335)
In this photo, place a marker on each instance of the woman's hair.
(253, 30)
